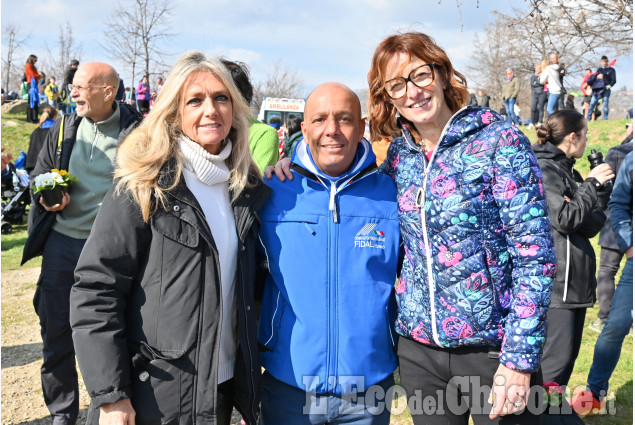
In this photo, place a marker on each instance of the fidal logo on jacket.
(368, 237)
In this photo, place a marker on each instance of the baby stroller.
(15, 196)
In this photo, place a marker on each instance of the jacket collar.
(465, 122)
(551, 152)
(364, 157)
(244, 207)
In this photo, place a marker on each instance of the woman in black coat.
(162, 311)
(576, 217)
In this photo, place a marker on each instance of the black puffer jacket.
(573, 224)
(146, 308)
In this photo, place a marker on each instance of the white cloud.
(329, 40)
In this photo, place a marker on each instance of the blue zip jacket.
(333, 250)
(621, 204)
(479, 254)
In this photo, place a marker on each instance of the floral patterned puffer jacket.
(480, 257)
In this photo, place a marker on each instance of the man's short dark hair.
(240, 75)
(74, 62)
(604, 58)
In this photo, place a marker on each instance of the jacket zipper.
(92, 149)
(332, 206)
(251, 357)
(566, 275)
(331, 294)
(424, 229)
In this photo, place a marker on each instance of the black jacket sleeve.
(581, 214)
(106, 271)
(46, 157)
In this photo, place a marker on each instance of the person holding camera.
(576, 216)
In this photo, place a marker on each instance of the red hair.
(382, 113)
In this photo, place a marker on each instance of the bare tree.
(524, 37)
(603, 26)
(67, 48)
(134, 31)
(122, 43)
(13, 40)
(282, 81)
(491, 56)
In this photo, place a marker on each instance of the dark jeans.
(564, 337)
(538, 107)
(52, 305)
(285, 404)
(608, 347)
(609, 265)
(446, 385)
(509, 110)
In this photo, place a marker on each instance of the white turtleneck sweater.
(207, 177)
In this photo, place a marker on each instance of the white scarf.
(209, 169)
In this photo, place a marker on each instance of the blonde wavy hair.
(144, 152)
(382, 112)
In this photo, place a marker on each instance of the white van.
(281, 108)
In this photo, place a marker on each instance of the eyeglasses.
(87, 88)
(421, 77)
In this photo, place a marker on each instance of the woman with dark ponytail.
(575, 217)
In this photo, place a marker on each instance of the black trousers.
(538, 107)
(447, 385)
(224, 402)
(52, 305)
(609, 265)
(31, 115)
(564, 337)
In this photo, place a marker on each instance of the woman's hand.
(282, 169)
(118, 413)
(602, 173)
(510, 392)
(66, 198)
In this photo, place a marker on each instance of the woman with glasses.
(476, 278)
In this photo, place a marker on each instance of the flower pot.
(52, 196)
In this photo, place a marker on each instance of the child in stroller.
(15, 194)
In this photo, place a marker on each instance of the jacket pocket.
(176, 229)
(158, 390)
(273, 307)
(306, 221)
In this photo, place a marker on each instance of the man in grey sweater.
(83, 143)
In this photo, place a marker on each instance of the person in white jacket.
(551, 75)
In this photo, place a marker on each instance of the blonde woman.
(162, 309)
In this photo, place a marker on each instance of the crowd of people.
(548, 92)
(173, 271)
(35, 84)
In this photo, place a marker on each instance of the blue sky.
(331, 40)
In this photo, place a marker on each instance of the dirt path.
(22, 401)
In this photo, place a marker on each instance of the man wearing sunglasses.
(83, 143)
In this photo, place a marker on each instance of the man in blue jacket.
(608, 347)
(601, 83)
(332, 238)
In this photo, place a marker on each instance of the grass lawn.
(602, 136)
